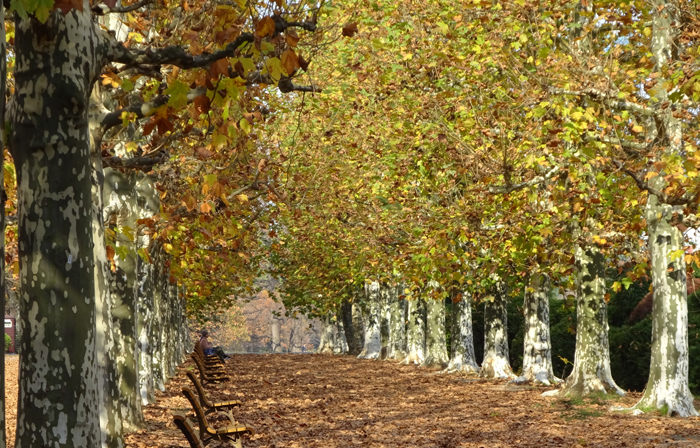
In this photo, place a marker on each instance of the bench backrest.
(185, 425)
(198, 411)
(202, 371)
(200, 390)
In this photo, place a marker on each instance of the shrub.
(8, 341)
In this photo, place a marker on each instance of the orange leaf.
(110, 252)
(201, 104)
(290, 61)
(205, 208)
(265, 27)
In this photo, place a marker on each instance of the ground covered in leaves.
(339, 401)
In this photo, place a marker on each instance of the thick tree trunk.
(327, 343)
(591, 372)
(159, 282)
(385, 293)
(372, 346)
(537, 355)
(463, 357)
(108, 379)
(56, 65)
(120, 204)
(496, 363)
(341, 344)
(397, 325)
(435, 337)
(667, 388)
(415, 332)
(144, 322)
(352, 324)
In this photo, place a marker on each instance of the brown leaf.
(67, 5)
(265, 27)
(172, 280)
(201, 104)
(219, 67)
(204, 153)
(189, 201)
(303, 63)
(290, 61)
(148, 127)
(110, 252)
(291, 37)
(350, 29)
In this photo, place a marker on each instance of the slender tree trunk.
(372, 342)
(463, 357)
(591, 372)
(341, 346)
(397, 325)
(144, 322)
(415, 332)
(352, 324)
(275, 330)
(159, 281)
(496, 362)
(537, 355)
(435, 337)
(56, 65)
(385, 293)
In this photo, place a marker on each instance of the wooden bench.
(204, 401)
(185, 425)
(208, 360)
(231, 433)
(206, 375)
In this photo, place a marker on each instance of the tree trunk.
(591, 372)
(372, 346)
(120, 204)
(159, 296)
(275, 330)
(496, 363)
(435, 337)
(327, 343)
(537, 355)
(341, 346)
(463, 357)
(385, 293)
(144, 322)
(352, 324)
(415, 332)
(397, 325)
(57, 64)
(108, 379)
(667, 388)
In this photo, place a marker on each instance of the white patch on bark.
(372, 344)
(415, 333)
(463, 358)
(496, 363)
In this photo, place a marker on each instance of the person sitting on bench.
(209, 349)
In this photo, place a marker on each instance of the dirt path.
(338, 401)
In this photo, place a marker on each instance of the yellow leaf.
(242, 198)
(265, 27)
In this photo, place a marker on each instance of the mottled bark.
(353, 326)
(667, 388)
(108, 379)
(397, 325)
(415, 332)
(496, 363)
(327, 343)
(371, 347)
(341, 344)
(591, 372)
(144, 322)
(159, 281)
(120, 204)
(463, 358)
(56, 65)
(385, 292)
(537, 354)
(435, 337)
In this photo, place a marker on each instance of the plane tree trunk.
(353, 326)
(435, 337)
(415, 332)
(537, 354)
(372, 342)
(496, 363)
(397, 326)
(463, 358)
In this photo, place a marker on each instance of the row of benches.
(211, 370)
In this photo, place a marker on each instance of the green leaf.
(178, 91)
(210, 179)
(127, 85)
(245, 125)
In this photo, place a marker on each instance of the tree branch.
(687, 198)
(102, 9)
(602, 97)
(143, 163)
(503, 189)
(145, 109)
